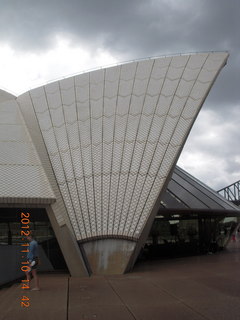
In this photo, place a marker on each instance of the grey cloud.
(215, 140)
(142, 27)
(132, 29)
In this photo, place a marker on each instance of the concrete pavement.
(191, 288)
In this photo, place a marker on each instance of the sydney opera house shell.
(97, 150)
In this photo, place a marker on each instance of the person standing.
(32, 257)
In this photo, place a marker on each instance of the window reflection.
(10, 232)
(179, 235)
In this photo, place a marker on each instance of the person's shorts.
(34, 263)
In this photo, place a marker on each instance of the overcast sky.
(43, 40)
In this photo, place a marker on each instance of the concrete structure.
(97, 151)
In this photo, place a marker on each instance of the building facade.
(97, 151)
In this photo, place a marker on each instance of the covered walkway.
(192, 288)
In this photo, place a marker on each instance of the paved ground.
(193, 288)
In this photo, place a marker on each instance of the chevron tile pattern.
(22, 176)
(114, 134)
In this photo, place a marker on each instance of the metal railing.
(231, 192)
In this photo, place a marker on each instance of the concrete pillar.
(109, 256)
(69, 247)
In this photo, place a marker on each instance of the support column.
(109, 256)
(69, 247)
